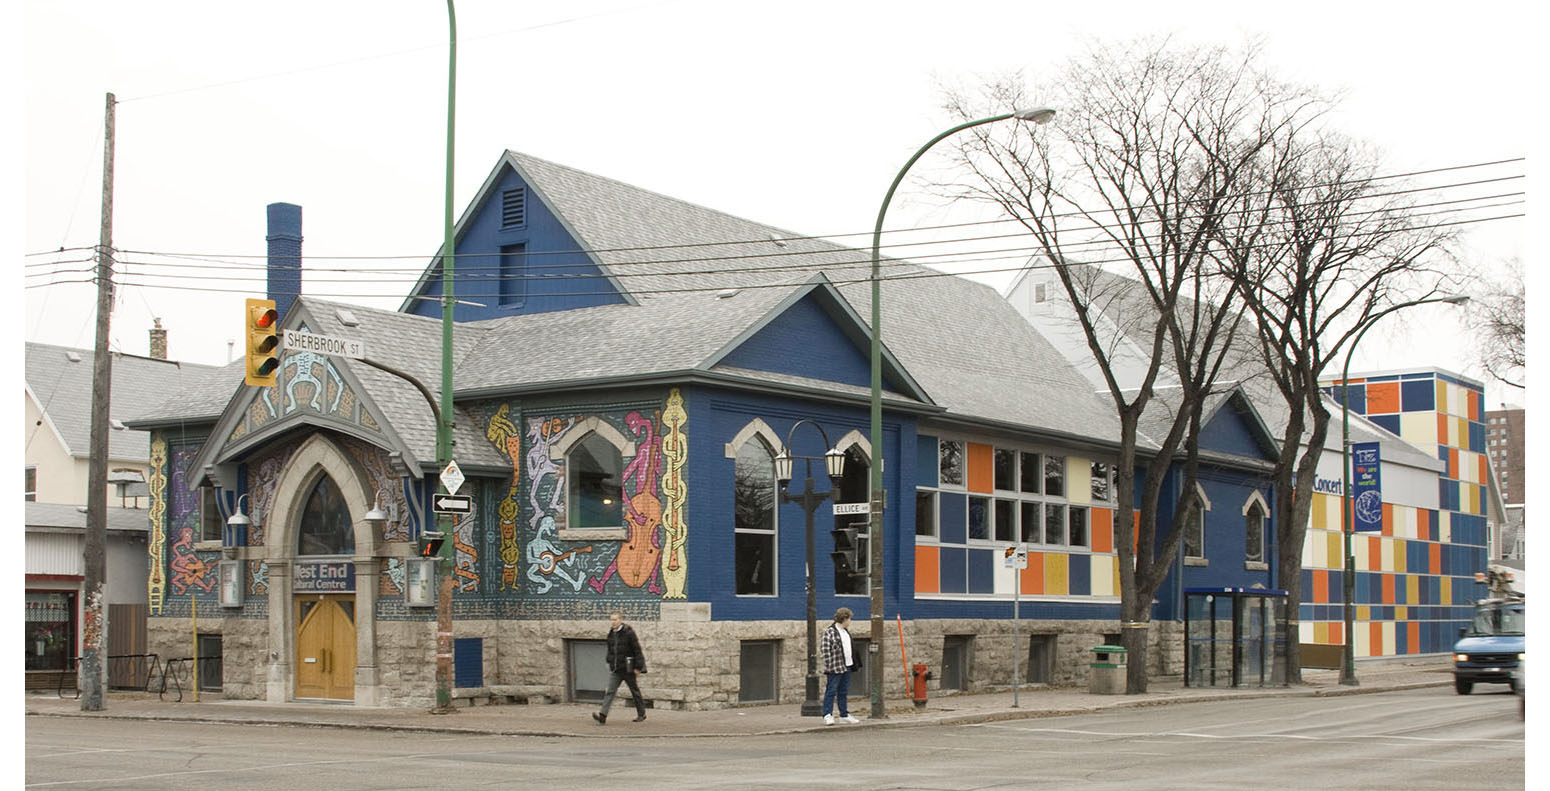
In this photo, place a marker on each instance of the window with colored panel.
(980, 474)
(1383, 398)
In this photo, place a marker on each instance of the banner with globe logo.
(1367, 487)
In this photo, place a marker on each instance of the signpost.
(453, 504)
(452, 477)
(1017, 560)
(298, 341)
(852, 509)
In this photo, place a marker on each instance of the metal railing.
(182, 671)
(125, 671)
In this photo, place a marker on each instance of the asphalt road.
(1418, 739)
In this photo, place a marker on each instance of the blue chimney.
(284, 255)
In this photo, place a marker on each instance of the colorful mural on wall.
(186, 569)
(306, 381)
(650, 557)
(156, 542)
(465, 552)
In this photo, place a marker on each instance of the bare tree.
(1334, 250)
(1496, 316)
(1153, 151)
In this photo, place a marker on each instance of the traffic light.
(263, 342)
(430, 543)
(846, 552)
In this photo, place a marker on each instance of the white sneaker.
(849, 719)
(828, 719)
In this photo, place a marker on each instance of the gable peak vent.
(514, 208)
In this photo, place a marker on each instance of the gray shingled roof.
(72, 517)
(141, 386)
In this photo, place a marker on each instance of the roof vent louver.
(779, 242)
(347, 318)
(726, 293)
(72, 357)
(514, 208)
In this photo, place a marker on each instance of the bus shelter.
(1234, 637)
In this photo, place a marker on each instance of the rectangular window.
(49, 630)
(1101, 481)
(30, 485)
(950, 462)
(979, 518)
(1055, 476)
(210, 522)
(1006, 469)
(925, 513)
(1054, 524)
(1006, 520)
(753, 520)
(1032, 472)
(1195, 535)
(588, 674)
(758, 671)
(1076, 525)
(1041, 659)
(1032, 532)
(513, 274)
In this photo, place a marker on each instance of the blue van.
(1488, 652)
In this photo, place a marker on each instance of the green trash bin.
(1107, 671)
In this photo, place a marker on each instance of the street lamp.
(809, 499)
(444, 416)
(1348, 581)
(1036, 115)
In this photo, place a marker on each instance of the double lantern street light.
(810, 498)
(1037, 116)
(1348, 504)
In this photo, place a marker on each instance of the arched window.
(325, 522)
(754, 519)
(1254, 533)
(594, 470)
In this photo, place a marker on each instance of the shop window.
(325, 522)
(758, 671)
(594, 479)
(754, 519)
(49, 630)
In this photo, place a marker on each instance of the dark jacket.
(624, 652)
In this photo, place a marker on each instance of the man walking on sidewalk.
(837, 662)
(625, 661)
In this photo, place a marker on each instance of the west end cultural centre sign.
(325, 576)
(1366, 487)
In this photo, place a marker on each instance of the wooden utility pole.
(94, 611)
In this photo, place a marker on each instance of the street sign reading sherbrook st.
(298, 341)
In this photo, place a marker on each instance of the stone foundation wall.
(694, 662)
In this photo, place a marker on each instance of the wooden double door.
(325, 646)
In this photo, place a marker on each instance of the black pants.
(614, 679)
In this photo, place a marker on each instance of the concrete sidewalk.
(575, 719)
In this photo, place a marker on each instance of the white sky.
(796, 114)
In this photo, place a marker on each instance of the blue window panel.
(1415, 555)
(1448, 496)
(1477, 437)
(1080, 575)
(468, 661)
(982, 570)
(1401, 639)
(952, 570)
(1389, 423)
(1307, 582)
(1433, 525)
(952, 513)
(926, 461)
(1358, 397)
(1306, 612)
(1402, 589)
(1417, 396)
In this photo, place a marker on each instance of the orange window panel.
(1485, 470)
(1413, 638)
(928, 569)
(1388, 588)
(1388, 520)
(1453, 463)
(1442, 429)
(1382, 398)
(1375, 635)
(1374, 554)
(1434, 566)
(1337, 633)
(982, 475)
(1033, 576)
(1320, 587)
(1103, 530)
(1474, 405)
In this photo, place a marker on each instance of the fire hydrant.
(918, 686)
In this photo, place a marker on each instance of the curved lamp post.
(810, 499)
(1348, 579)
(1036, 115)
(236, 529)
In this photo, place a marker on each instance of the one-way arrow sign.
(453, 504)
